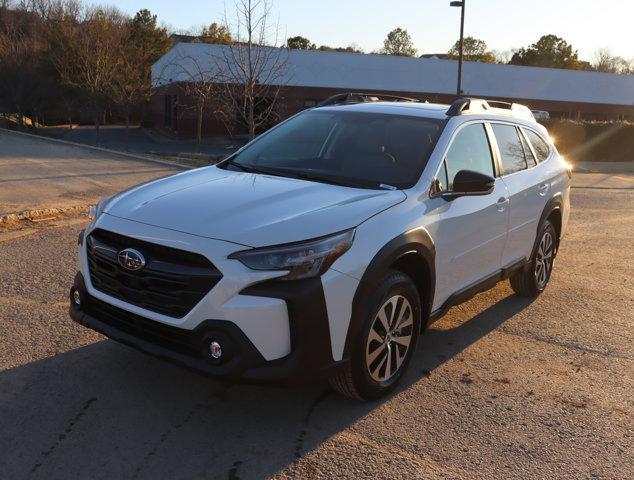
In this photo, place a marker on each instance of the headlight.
(96, 210)
(302, 260)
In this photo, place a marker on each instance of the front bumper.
(310, 358)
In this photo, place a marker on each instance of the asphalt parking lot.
(502, 387)
(36, 174)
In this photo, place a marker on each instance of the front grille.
(171, 283)
(173, 338)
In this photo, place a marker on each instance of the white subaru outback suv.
(323, 248)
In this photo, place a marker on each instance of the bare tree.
(605, 61)
(87, 55)
(198, 81)
(22, 48)
(252, 70)
(129, 87)
(142, 43)
(504, 56)
(5, 5)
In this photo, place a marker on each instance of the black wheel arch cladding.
(416, 241)
(554, 204)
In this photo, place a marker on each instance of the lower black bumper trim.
(189, 348)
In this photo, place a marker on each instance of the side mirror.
(468, 182)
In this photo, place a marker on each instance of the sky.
(433, 24)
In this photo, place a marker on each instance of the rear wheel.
(389, 336)
(532, 281)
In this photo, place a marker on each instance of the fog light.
(215, 349)
(76, 297)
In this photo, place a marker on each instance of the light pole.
(461, 5)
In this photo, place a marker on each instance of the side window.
(442, 184)
(511, 150)
(469, 150)
(542, 150)
(530, 158)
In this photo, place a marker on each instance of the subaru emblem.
(131, 259)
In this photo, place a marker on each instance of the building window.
(310, 103)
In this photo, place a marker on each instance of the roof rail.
(496, 107)
(355, 97)
(465, 105)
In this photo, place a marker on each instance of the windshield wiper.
(303, 175)
(261, 171)
(281, 172)
(244, 168)
(333, 180)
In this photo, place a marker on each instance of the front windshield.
(367, 150)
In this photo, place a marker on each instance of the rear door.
(470, 231)
(528, 190)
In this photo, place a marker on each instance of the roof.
(367, 72)
(414, 109)
(437, 111)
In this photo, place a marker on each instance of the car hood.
(249, 209)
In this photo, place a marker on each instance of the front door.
(470, 231)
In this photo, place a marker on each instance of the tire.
(381, 355)
(531, 281)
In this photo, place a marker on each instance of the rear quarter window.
(510, 146)
(540, 147)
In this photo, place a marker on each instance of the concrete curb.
(100, 149)
(45, 212)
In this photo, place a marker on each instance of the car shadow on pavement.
(107, 411)
(439, 345)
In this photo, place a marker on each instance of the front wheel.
(532, 281)
(389, 336)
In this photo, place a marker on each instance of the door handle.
(501, 203)
(543, 188)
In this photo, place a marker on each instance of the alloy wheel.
(389, 338)
(544, 259)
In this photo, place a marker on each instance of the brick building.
(311, 76)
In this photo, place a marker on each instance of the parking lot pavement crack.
(567, 344)
(221, 394)
(62, 436)
(299, 442)
(162, 439)
(233, 472)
